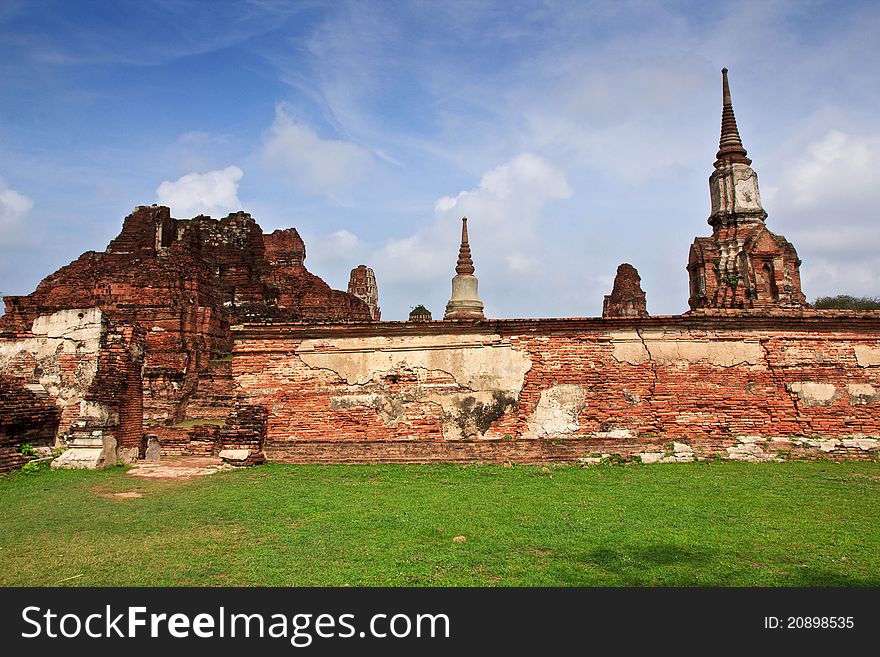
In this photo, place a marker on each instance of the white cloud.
(14, 208)
(839, 168)
(312, 164)
(511, 194)
(343, 242)
(826, 204)
(506, 208)
(337, 249)
(212, 193)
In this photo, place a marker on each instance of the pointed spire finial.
(730, 147)
(465, 264)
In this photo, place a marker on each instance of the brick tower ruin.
(743, 264)
(627, 299)
(362, 284)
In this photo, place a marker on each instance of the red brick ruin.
(362, 284)
(207, 336)
(627, 298)
(183, 283)
(743, 264)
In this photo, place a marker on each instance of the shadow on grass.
(640, 566)
(669, 564)
(820, 578)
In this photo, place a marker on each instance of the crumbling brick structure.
(89, 370)
(743, 264)
(420, 314)
(362, 284)
(186, 282)
(627, 298)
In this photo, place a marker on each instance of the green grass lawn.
(720, 523)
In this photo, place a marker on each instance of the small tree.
(847, 302)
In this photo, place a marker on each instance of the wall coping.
(850, 321)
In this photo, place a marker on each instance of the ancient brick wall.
(734, 385)
(117, 385)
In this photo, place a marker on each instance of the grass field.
(720, 523)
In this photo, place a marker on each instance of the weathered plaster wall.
(87, 368)
(749, 386)
(59, 354)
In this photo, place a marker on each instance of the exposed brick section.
(77, 383)
(420, 314)
(531, 451)
(198, 440)
(26, 417)
(627, 298)
(285, 248)
(763, 272)
(754, 385)
(117, 384)
(302, 296)
(245, 429)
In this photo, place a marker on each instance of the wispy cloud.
(114, 33)
(309, 162)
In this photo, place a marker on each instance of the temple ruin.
(207, 336)
(627, 299)
(362, 284)
(465, 301)
(743, 264)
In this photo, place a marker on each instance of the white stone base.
(235, 455)
(88, 456)
(83, 458)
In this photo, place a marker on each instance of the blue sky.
(574, 135)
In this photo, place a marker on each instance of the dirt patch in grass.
(179, 467)
(124, 495)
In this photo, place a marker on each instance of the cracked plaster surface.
(556, 413)
(487, 376)
(636, 347)
(76, 333)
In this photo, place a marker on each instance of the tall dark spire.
(464, 265)
(730, 147)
